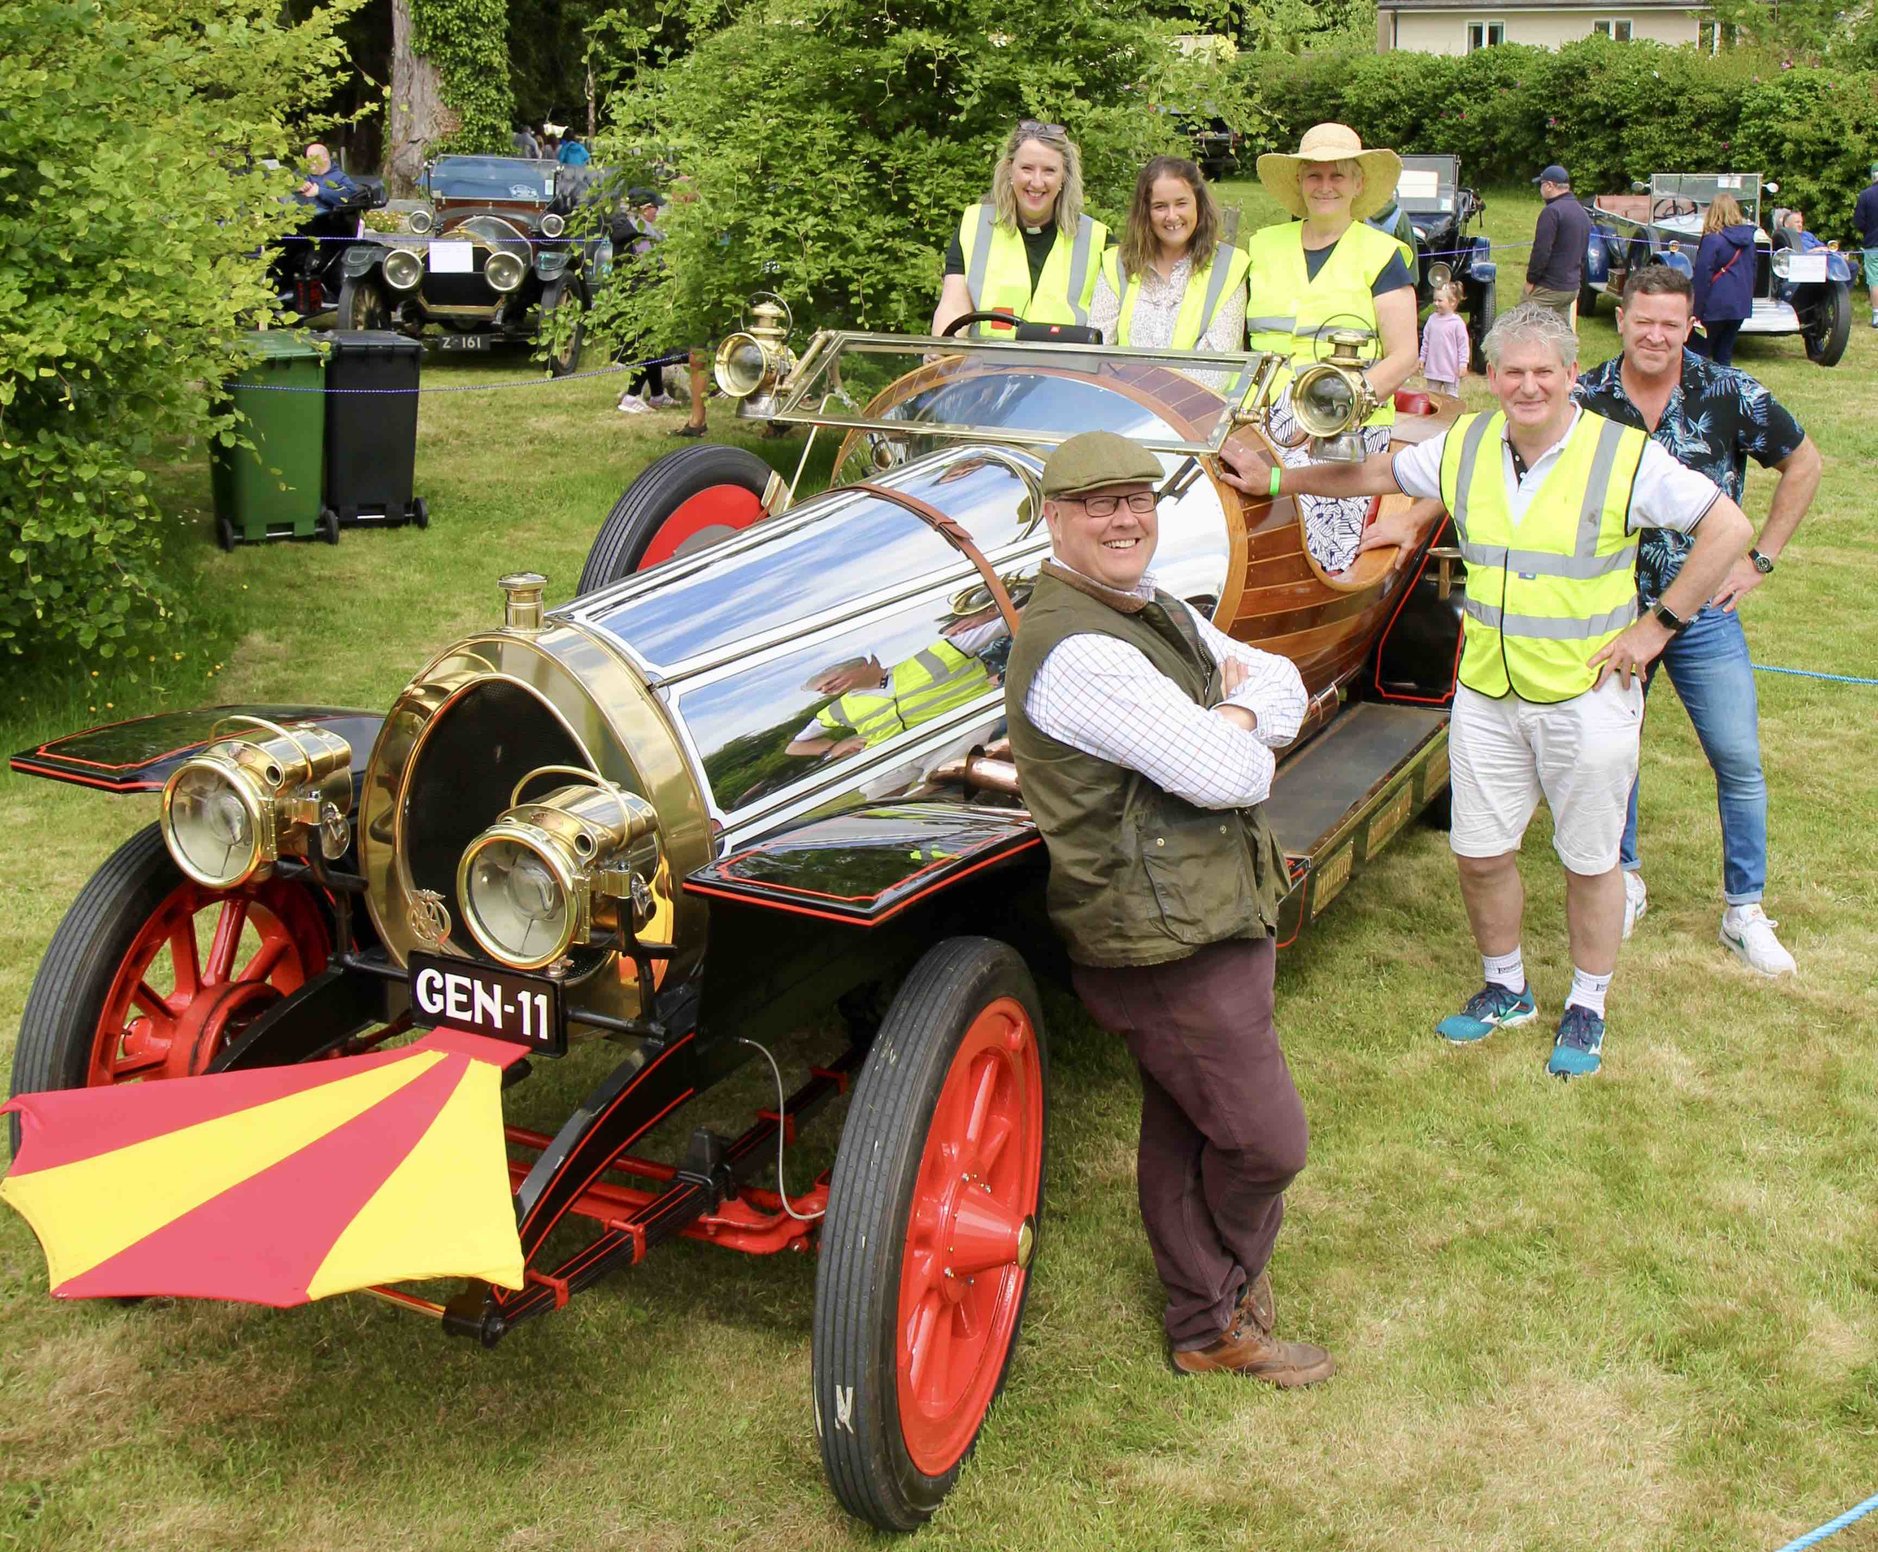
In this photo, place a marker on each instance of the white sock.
(1588, 990)
(1508, 970)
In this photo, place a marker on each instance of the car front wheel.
(363, 305)
(1486, 308)
(564, 357)
(1827, 328)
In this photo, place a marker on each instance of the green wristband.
(1276, 471)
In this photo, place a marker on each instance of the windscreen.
(1427, 185)
(491, 177)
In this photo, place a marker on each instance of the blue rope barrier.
(1811, 673)
(677, 359)
(1830, 1528)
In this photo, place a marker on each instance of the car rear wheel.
(927, 1246)
(1485, 309)
(363, 305)
(152, 976)
(1828, 327)
(565, 357)
(679, 503)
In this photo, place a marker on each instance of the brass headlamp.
(753, 363)
(575, 864)
(1332, 399)
(231, 812)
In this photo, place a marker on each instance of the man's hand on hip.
(1631, 653)
(1743, 577)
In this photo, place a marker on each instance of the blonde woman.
(1330, 271)
(1027, 250)
(1724, 277)
(1171, 282)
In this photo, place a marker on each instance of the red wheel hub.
(969, 1235)
(709, 515)
(200, 970)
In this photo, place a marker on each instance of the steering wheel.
(966, 320)
(1670, 206)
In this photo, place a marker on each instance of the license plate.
(466, 342)
(452, 258)
(502, 1004)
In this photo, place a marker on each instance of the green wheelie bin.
(273, 490)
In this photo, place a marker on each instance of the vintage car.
(655, 828)
(306, 265)
(495, 252)
(1795, 291)
(1431, 200)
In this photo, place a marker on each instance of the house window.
(1615, 29)
(1484, 35)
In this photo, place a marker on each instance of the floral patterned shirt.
(1716, 419)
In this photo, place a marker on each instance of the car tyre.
(1829, 328)
(1480, 319)
(363, 305)
(931, 1227)
(565, 361)
(679, 503)
(81, 1027)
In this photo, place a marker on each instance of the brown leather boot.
(1256, 1305)
(1244, 1349)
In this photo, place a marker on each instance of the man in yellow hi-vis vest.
(1546, 500)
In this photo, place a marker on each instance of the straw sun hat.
(1278, 171)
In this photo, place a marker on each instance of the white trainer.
(1748, 933)
(1636, 902)
(632, 404)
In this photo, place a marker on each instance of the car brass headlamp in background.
(575, 864)
(421, 221)
(552, 225)
(403, 269)
(1439, 274)
(504, 271)
(752, 363)
(232, 811)
(1332, 399)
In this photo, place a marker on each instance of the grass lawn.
(1633, 1313)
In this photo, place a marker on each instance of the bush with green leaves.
(1611, 112)
(133, 205)
(828, 148)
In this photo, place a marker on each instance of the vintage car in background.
(306, 265)
(1433, 206)
(490, 257)
(1795, 291)
(687, 813)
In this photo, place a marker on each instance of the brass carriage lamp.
(752, 363)
(1332, 399)
(232, 811)
(576, 864)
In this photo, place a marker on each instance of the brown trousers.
(1222, 1127)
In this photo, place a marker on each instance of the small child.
(1444, 342)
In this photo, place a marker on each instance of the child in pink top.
(1444, 342)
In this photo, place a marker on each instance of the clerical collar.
(1033, 230)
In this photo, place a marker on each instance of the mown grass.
(1635, 1313)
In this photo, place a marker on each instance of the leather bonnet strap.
(949, 529)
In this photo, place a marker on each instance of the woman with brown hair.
(1724, 277)
(1027, 249)
(1171, 282)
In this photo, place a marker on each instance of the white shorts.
(1580, 755)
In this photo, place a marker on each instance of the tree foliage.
(829, 145)
(132, 202)
(468, 42)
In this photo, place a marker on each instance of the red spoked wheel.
(151, 975)
(931, 1231)
(682, 502)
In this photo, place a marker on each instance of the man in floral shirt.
(1711, 419)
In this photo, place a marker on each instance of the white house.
(1448, 27)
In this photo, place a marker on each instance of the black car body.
(307, 265)
(1431, 201)
(491, 257)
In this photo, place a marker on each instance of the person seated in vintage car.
(1331, 271)
(1027, 249)
(1790, 232)
(326, 185)
(1171, 281)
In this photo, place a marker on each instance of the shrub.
(132, 205)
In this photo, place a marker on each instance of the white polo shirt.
(1664, 494)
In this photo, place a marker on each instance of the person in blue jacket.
(572, 152)
(1724, 277)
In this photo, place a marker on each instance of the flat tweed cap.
(1092, 459)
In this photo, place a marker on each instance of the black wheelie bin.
(371, 435)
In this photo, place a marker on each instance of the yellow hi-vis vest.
(997, 271)
(1288, 312)
(1545, 595)
(1206, 289)
(933, 680)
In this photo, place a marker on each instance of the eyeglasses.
(1038, 127)
(1141, 501)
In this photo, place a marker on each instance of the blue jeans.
(1708, 664)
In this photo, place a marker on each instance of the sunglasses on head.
(1038, 127)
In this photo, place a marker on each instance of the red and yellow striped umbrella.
(275, 1185)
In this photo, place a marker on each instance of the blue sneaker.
(1490, 1008)
(1580, 1038)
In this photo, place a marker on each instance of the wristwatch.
(1764, 564)
(1667, 617)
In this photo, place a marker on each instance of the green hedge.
(1611, 112)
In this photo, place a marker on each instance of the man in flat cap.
(1144, 740)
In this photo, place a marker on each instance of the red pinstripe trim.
(22, 764)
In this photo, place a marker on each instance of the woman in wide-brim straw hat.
(1330, 271)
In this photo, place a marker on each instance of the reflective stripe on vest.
(1543, 595)
(933, 680)
(1288, 312)
(1199, 303)
(997, 271)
